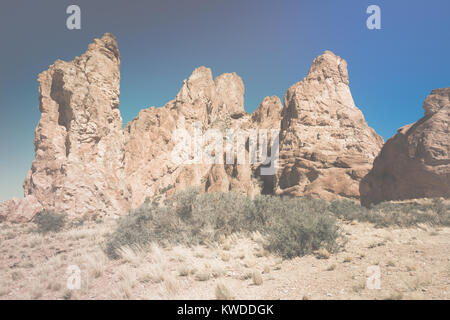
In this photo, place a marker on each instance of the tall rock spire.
(79, 141)
(326, 146)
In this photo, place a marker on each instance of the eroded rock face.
(326, 146)
(415, 163)
(86, 164)
(79, 143)
(203, 101)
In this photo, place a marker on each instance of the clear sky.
(270, 44)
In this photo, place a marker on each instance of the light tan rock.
(326, 146)
(19, 210)
(85, 163)
(415, 163)
(213, 104)
(79, 141)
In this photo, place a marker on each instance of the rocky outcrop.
(415, 163)
(326, 146)
(19, 210)
(85, 163)
(202, 103)
(79, 143)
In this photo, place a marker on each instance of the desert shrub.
(300, 226)
(349, 210)
(290, 226)
(293, 226)
(183, 201)
(188, 218)
(223, 213)
(48, 221)
(394, 213)
(140, 227)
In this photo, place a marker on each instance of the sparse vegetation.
(48, 221)
(257, 278)
(323, 253)
(390, 263)
(387, 214)
(223, 293)
(203, 276)
(36, 264)
(331, 267)
(291, 226)
(298, 226)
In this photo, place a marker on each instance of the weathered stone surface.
(326, 146)
(19, 210)
(210, 103)
(268, 114)
(415, 163)
(79, 141)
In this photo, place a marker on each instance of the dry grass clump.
(133, 255)
(203, 276)
(183, 271)
(225, 257)
(323, 253)
(96, 264)
(223, 293)
(331, 267)
(247, 274)
(150, 272)
(171, 285)
(390, 263)
(257, 278)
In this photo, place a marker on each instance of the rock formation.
(415, 163)
(79, 143)
(19, 210)
(209, 103)
(326, 146)
(86, 164)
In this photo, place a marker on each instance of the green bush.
(48, 221)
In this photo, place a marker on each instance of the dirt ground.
(413, 263)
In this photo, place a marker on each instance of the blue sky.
(270, 44)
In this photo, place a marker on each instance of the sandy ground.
(414, 263)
